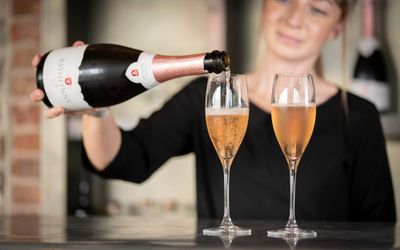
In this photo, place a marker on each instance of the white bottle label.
(141, 71)
(374, 91)
(61, 78)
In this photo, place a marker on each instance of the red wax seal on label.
(134, 72)
(68, 81)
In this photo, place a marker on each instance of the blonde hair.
(346, 6)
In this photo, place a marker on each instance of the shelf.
(391, 125)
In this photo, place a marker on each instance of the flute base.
(227, 230)
(292, 233)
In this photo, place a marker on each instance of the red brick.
(25, 29)
(25, 167)
(1, 56)
(25, 210)
(21, 7)
(2, 5)
(22, 58)
(2, 24)
(25, 226)
(26, 113)
(2, 144)
(26, 194)
(24, 85)
(26, 141)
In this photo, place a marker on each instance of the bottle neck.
(216, 61)
(368, 19)
(169, 67)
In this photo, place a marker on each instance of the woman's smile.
(289, 39)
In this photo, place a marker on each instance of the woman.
(344, 171)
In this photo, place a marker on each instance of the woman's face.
(298, 29)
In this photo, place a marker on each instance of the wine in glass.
(227, 114)
(293, 114)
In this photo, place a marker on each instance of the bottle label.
(141, 71)
(61, 78)
(376, 92)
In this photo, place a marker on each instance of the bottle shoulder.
(368, 45)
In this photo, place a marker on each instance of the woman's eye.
(283, 1)
(318, 11)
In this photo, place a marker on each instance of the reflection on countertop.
(23, 232)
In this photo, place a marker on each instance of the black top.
(343, 175)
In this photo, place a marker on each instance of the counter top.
(19, 232)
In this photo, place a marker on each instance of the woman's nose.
(294, 16)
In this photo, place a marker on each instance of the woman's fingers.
(37, 95)
(78, 43)
(54, 112)
(80, 112)
(57, 111)
(36, 60)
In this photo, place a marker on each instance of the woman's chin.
(288, 53)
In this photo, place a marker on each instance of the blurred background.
(40, 169)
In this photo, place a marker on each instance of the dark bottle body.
(371, 67)
(112, 87)
(101, 75)
(371, 76)
(370, 79)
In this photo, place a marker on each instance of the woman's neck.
(273, 64)
(260, 82)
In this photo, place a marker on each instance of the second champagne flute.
(293, 116)
(227, 114)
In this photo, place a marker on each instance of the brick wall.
(2, 70)
(22, 185)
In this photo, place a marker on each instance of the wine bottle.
(101, 75)
(370, 78)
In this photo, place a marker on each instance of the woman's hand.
(37, 95)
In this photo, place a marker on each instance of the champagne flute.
(293, 117)
(227, 114)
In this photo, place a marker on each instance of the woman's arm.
(136, 154)
(101, 139)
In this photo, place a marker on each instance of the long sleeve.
(371, 191)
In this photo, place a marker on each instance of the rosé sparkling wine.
(227, 115)
(293, 126)
(227, 128)
(293, 112)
